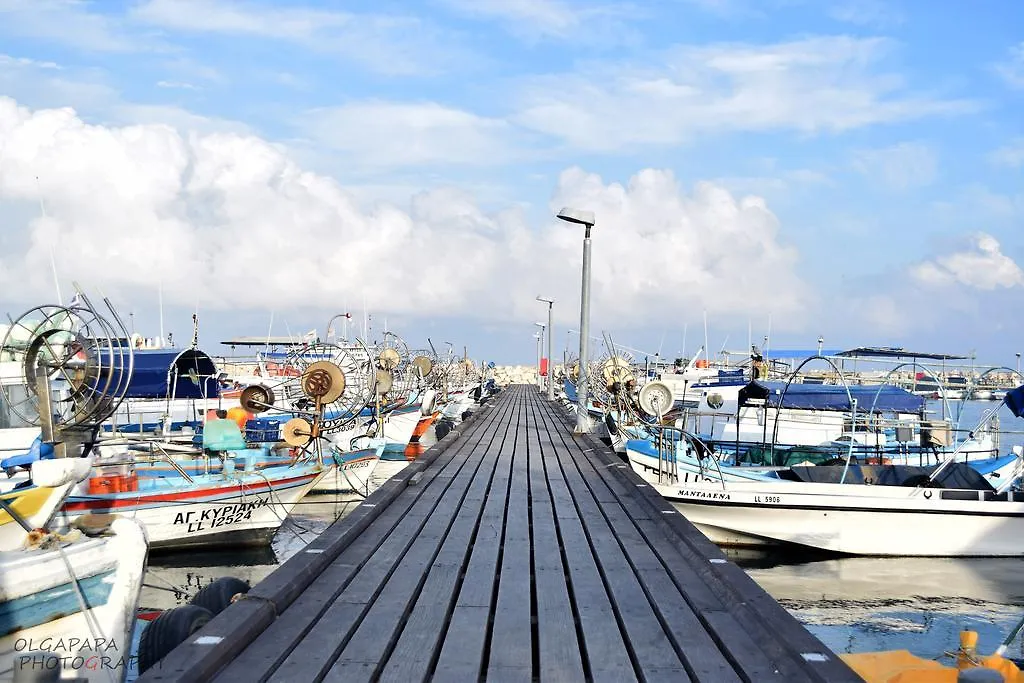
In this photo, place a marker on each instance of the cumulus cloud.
(813, 85)
(983, 265)
(228, 220)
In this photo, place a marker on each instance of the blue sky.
(850, 168)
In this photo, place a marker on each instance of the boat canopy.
(1015, 401)
(955, 475)
(173, 373)
(885, 398)
(895, 353)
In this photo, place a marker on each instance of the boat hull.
(40, 610)
(853, 519)
(243, 511)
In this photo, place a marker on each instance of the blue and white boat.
(67, 602)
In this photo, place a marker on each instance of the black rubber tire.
(442, 429)
(168, 631)
(217, 595)
(465, 415)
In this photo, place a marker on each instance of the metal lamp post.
(551, 334)
(586, 219)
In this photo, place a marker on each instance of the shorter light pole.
(540, 353)
(538, 336)
(551, 333)
(1018, 363)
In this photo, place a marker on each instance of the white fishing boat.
(890, 510)
(855, 518)
(68, 602)
(232, 507)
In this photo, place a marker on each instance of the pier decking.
(511, 551)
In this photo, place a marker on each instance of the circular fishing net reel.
(330, 383)
(611, 377)
(395, 376)
(69, 368)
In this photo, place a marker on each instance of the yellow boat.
(900, 666)
(51, 482)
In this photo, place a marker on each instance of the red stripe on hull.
(134, 500)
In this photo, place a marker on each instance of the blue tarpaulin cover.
(834, 397)
(1015, 401)
(174, 373)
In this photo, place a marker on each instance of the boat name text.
(711, 495)
(211, 518)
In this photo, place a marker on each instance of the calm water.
(852, 604)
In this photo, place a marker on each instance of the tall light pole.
(551, 334)
(586, 219)
(1018, 363)
(540, 354)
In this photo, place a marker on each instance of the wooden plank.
(465, 642)
(781, 639)
(235, 628)
(603, 648)
(379, 628)
(269, 650)
(559, 655)
(653, 650)
(511, 653)
(421, 636)
(692, 632)
(314, 655)
(776, 658)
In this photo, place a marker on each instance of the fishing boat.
(68, 594)
(230, 507)
(67, 602)
(967, 664)
(945, 510)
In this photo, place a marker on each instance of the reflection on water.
(173, 578)
(862, 604)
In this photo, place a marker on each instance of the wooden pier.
(510, 551)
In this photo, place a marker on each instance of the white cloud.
(1011, 154)
(390, 44)
(602, 24)
(874, 13)
(658, 248)
(70, 22)
(9, 61)
(229, 221)
(902, 166)
(983, 265)
(1012, 70)
(388, 134)
(176, 85)
(809, 86)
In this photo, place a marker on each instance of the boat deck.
(510, 551)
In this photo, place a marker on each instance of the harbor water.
(853, 604)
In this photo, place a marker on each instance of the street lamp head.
(577, 216)
(545, 299)
(541, 325)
